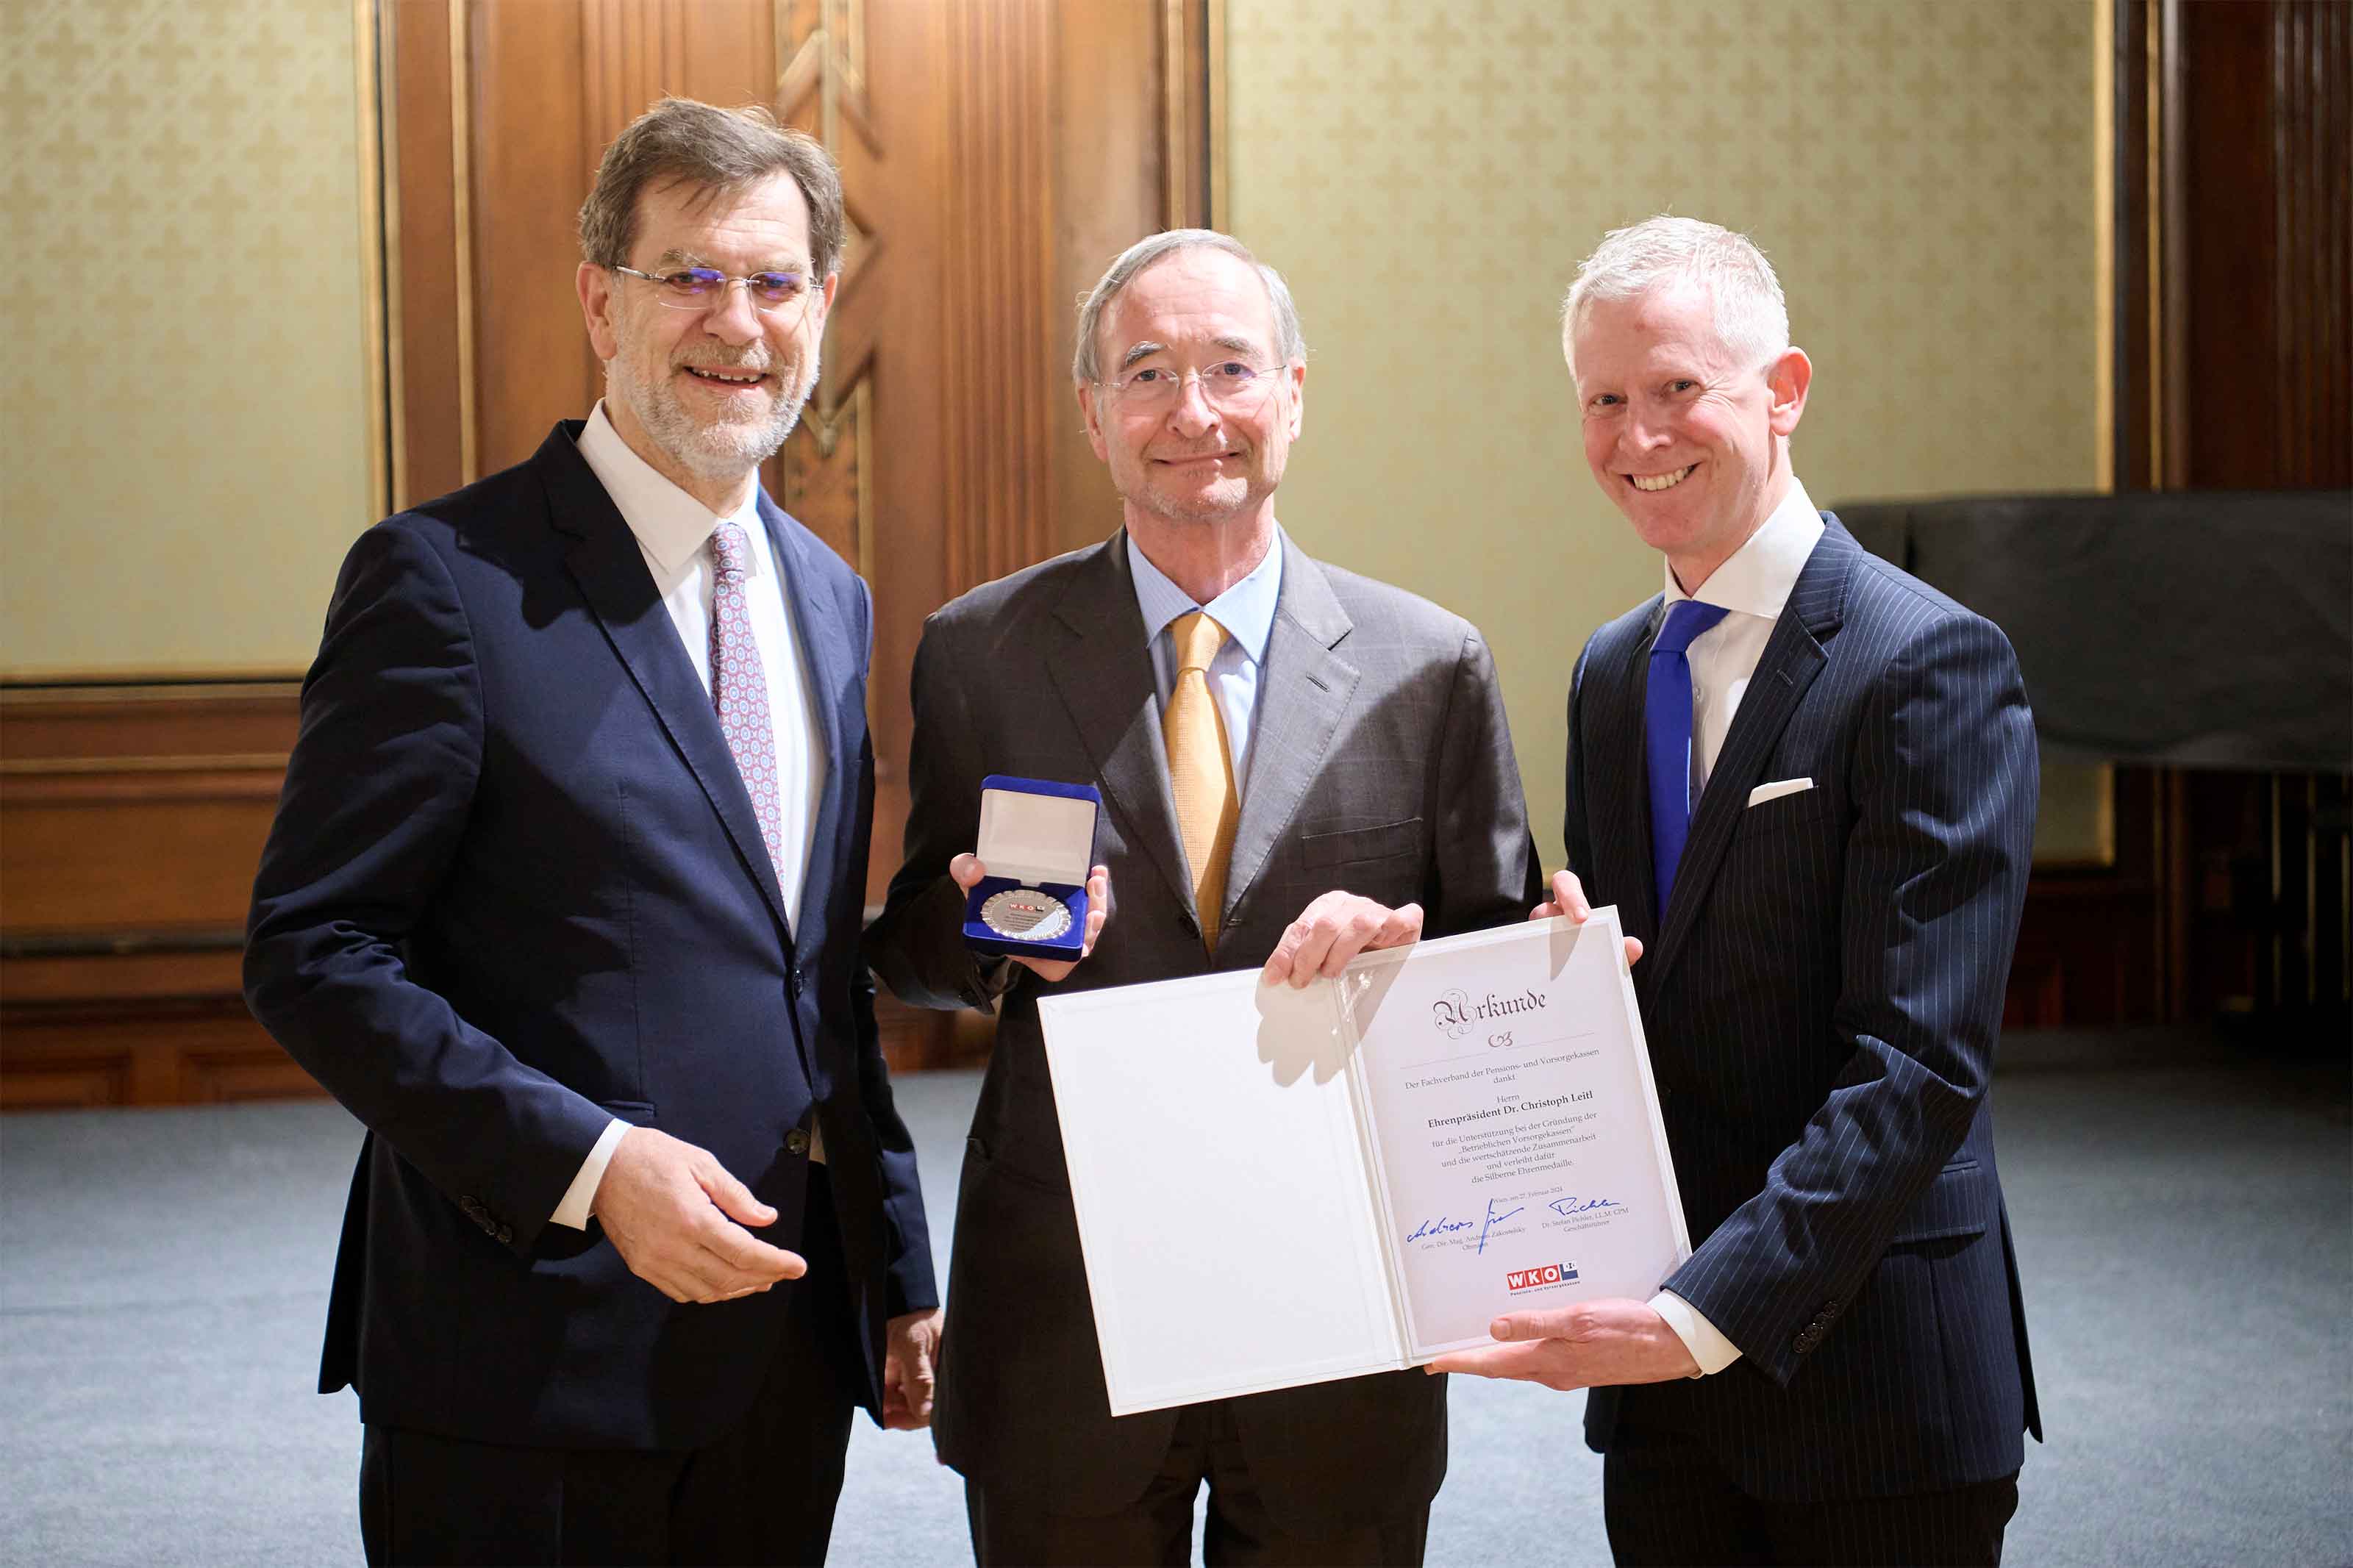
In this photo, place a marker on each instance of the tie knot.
(730, 548)
(1686, 620)
(1198, 638)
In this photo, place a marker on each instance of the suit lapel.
(1617, 680)
(1304, 689)
(610, 569)
(827, 655)
(1793, 656)
(1103, 674)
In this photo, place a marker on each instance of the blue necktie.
(1667, 738)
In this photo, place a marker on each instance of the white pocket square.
(1764, 793)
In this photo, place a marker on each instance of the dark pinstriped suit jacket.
(1822, 1008)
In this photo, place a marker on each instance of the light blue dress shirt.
(1247, 612)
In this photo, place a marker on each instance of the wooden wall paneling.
(2233, 152)
(2089, 936)
(2133, 460)
(528, 82)
(866, 470)
(2312, 184)
(995, 290)
(2171, 274)
(179, 1052)
(2229, 253)
(422, 274)
(1109, 193)
(130, 820)
(1186, 143)
(136, 811)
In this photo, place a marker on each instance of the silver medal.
(1026, 913)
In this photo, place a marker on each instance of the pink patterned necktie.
(739, 688)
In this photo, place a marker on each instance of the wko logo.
(1541, 1275)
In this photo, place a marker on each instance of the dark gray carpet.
(2182, 1215)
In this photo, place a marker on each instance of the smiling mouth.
(719, 377)
(1196, 457)
(1665, 481)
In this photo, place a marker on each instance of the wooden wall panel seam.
(374, 328)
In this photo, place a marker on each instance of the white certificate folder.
(1279, 1186)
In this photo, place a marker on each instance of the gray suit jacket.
(1382, 765)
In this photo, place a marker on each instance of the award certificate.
(1279, 1186)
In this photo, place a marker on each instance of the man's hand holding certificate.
(1615, 1340)
(1278, 1184)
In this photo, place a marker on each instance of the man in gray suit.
(1296, 764)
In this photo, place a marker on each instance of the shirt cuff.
(1703, 1339)
(573, 1210)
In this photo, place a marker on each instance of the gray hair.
(1086, 367)
(1751, 316)
(718, 149)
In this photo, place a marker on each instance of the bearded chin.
(722, 451)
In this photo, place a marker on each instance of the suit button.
(793, 984)
(797, 1141)
(506, 1236)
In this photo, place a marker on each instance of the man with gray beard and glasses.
(563, 902)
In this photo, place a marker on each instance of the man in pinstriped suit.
(1807, 781)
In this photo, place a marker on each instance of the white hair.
(1664, 252)
(1084, 363)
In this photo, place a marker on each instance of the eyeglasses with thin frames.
(705, 288)
(1230, 387)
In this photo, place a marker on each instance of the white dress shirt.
(1247, 612)
(1754, 585)
(674, 531)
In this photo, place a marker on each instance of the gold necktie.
(1200, 770)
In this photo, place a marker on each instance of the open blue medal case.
(1035, 835)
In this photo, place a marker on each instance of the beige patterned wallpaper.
(183, 418)
(1427, 176)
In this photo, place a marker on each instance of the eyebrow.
(1232, 342)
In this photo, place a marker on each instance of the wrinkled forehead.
(1189, 300)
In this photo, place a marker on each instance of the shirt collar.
(1246, 610)
(1759, 576)
(670, 525)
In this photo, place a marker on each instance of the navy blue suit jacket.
(516, 888)
(1821, 1006)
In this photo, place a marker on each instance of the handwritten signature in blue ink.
(1431, 1228)
(1494, 1219)
(1566, 1207)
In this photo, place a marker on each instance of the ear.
(595, 287)
(1091, 419)
(824, 305)
(1790, 376)
(1297, 372)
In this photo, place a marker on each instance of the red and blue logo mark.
(1543, 1274)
